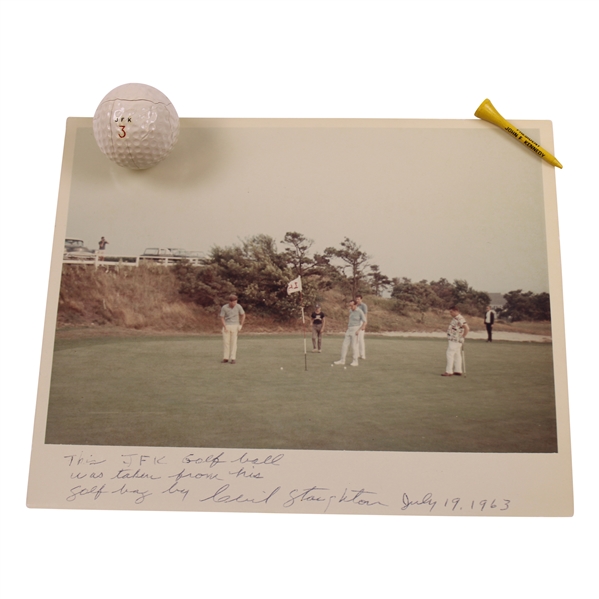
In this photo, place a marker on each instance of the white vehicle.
(170, 255)
(74, 249)
(157, 255)
(193, 256)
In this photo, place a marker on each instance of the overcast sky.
(425, 199)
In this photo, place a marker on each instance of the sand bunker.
(497, 336)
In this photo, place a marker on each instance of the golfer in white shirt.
(356, 323)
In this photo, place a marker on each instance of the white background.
(535, 60)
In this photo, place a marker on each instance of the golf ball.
(136, 125)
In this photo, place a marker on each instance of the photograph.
(185, 403)
(307, 285)
(281, 300)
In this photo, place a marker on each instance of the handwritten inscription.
(223, 495)
(455, 504)
(237, 478)
(324, 496)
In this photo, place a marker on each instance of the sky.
(424, 199)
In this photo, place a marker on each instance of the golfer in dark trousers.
(317, 328)
(489, 322)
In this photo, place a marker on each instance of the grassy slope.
(145, 299)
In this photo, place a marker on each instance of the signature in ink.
(357, 498)
(318, 495)
(222, 496)
(311, 494)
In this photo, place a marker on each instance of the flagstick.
(296, 285)
(304, 327)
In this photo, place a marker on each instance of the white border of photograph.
(319, 481)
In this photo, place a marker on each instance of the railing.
(106, 261)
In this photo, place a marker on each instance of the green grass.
(174, 392)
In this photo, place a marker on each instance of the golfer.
(456, 333)
(361, 342)
(317, 328)
(357, 322)
(489, 322)
(232, 316)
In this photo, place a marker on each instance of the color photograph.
(326, 150)
(333, 284)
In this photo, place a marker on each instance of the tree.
(315, 271)
(202, 284)
(416, 296)
(378, 281)
(263, 284)
(254, 270)
(438, 294)
(527, 306)
(542, 306)
(461, 294)
(470, 301)
(297, 254)
(353, 259)
(445, 291)
(326, 274)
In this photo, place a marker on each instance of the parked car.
(178, 252)
(171, 254)
(74, 249)
(157, 254)
(191, 255)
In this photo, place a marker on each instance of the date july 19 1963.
(455, 505)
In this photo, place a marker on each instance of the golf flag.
(295, 285)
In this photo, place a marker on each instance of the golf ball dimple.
(136, 126)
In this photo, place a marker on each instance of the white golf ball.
(345, 368)
(281, 368)
(136, 125)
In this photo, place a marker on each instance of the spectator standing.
(232, 317)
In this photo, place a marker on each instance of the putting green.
(175, 392)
